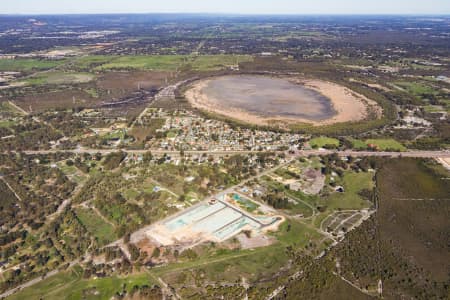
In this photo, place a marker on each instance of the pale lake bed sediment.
(261, 100)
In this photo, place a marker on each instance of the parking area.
(341, 222)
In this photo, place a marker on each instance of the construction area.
(214, 220)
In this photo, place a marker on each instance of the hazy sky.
(227, 6)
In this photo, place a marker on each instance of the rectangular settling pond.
(217, 221)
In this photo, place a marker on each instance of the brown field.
(140, 133)
(109, 87)
(57, 99)
(120, 83)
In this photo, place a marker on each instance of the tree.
(147, 157)
(113, 160)
(182, 198)
(134, 252)
(156, 253)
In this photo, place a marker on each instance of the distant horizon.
(228, 14)
(234, 7)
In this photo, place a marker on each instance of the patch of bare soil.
(254, 241)
(56, 100)
(119, 84)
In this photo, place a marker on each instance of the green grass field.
(218, 62)
(382, 144)
(320, 142)
(70, 285)
(416, 88)
(386, 144)
(159, 62)
(6, 123)
(292, 233)
(140, 62)
(58, 78)
(301, 208)
(358, 144)
(103, 231)
(353, 183)
(131, 194)
(27, 65)
(91, 61)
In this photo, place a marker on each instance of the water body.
(268, 97)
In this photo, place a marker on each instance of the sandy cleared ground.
(350, 106)
(445, 162)
(256, 241)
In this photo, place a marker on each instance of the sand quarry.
(264, 100)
